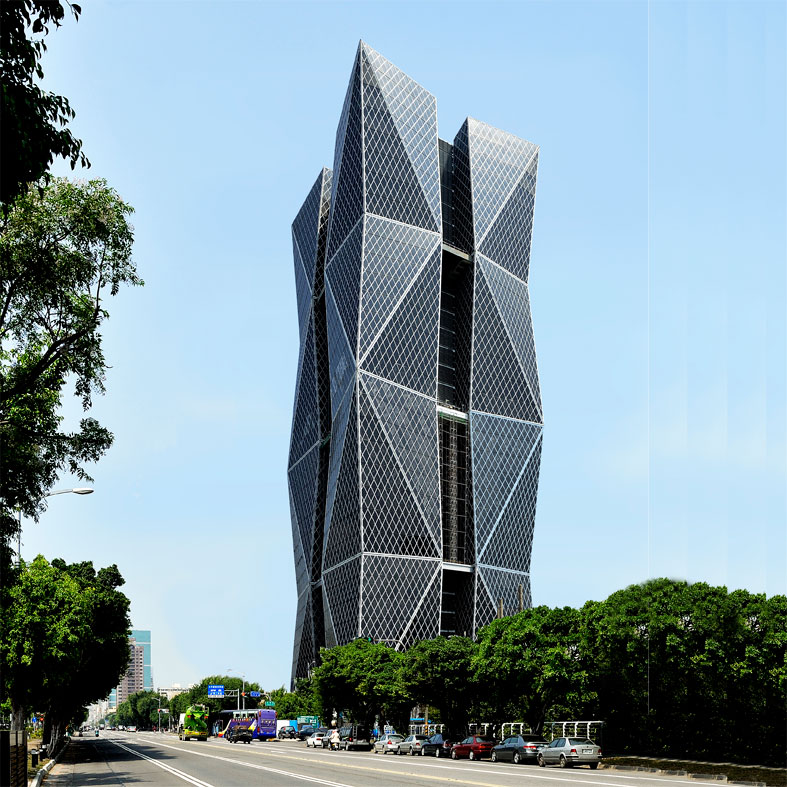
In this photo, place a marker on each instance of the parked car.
(287, 732)
(131, 728)
(439, 745)
(518, 748)
(315, 739)
(388, 743)
(567, 752)
(476, 747)
(412, 744)
(240, 734)
(354, 737)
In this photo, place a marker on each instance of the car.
(307, 730)
(315, 739)
(388, 743)
(354, 737)
(287, 732)
(567, 752)
(240, 734)
(131, 728)
(439, 745)
(518, 748)
(476, 747)
(412, 744)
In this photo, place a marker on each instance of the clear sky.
(658, 289)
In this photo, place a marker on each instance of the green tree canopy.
(438, 672)
(34, 121)
(65, 639)
(62, 254)
(362, 679)
(531, 662)
(291, 704)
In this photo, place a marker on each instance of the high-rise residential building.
(416, 438)
(142, 638)
(139, 676)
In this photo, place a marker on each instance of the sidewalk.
(81, 764)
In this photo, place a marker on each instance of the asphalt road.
(123, 760)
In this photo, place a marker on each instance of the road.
(121, 760)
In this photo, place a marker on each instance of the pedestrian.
(335, 738)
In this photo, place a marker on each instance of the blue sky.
(658, 289)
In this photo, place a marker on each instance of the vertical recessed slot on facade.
(452, 433)
(456, 610)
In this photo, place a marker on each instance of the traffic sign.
(269, 704)
(254, 694)
(215, 690)
(307, 720)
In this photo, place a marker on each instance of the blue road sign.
(215, 690)
(254, 694)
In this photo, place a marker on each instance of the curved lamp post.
(80, 490)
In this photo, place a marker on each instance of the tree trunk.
(17, 716)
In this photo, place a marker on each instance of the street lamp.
(243, 690)
(80, 490)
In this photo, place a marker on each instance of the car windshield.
(580, 742)
(395, 738)
(485, 739)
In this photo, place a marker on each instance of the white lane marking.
(174, 771)
(501, 770)
(230, 760)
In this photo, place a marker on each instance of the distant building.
(139, 676)
(417, 426)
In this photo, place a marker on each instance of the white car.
(131, 728)
(315, 739)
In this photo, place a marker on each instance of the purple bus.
(261, 722)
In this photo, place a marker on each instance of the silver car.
(567, 752)
(388, 743)
(412, 744)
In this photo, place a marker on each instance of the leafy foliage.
(199, 694)
(674, 669)
(34, 121)
(438, 673)
(62, 253)
(291, 704)
(64, 638)
(141, 709)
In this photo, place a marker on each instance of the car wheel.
(517, 758)
(471, 755)
(593, 766)
(494, 756)
(453, 755)
(541, 762)
(564, 763)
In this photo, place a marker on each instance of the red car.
(474, 746)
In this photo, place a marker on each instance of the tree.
(437, 672)
(62, 253)
(34, 121)
(65, 639)
(301, 702)
(532, 662)
(361, 678)
(198, 694)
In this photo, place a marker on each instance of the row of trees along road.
(674, 670)
(65, 247)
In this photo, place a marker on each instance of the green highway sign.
(307, 720)
(269, 704)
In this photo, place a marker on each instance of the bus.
(194, 723)
(261, 722)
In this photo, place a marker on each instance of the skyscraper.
(416, 438)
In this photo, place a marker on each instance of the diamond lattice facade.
(416, 439)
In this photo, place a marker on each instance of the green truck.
(194, 723)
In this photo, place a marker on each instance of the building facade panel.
(411, 274)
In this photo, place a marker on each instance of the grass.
(773, 777)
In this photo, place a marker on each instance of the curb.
(39, 777)
(714, 777)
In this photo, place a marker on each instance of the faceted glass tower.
(416, 437)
